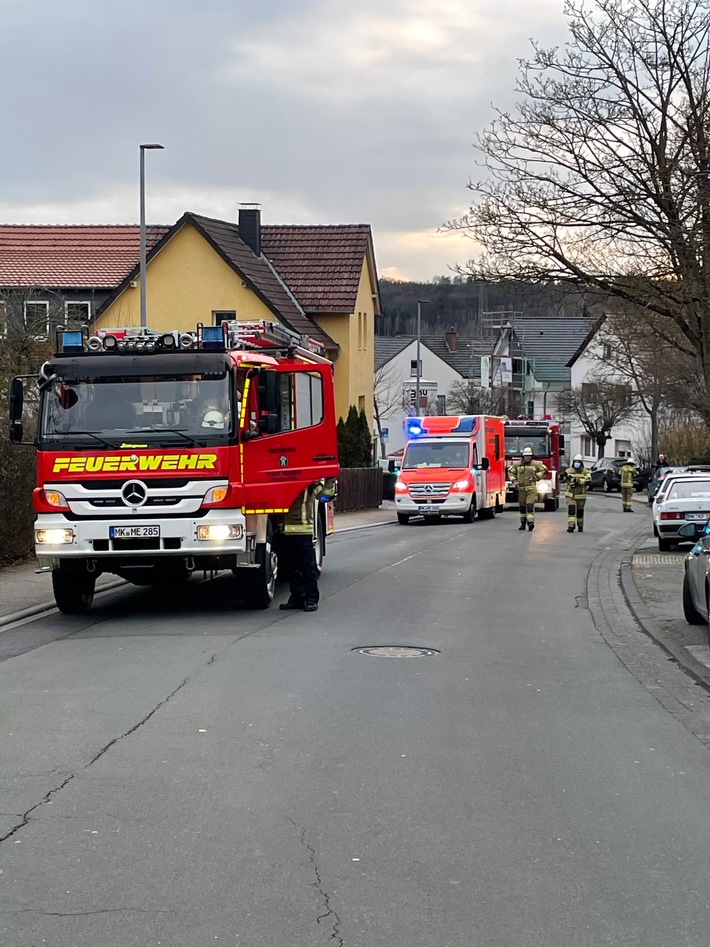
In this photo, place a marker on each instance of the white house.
(628, 438)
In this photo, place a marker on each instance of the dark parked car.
(606, 476)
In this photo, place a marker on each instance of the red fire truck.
(452, 466)
(544, 437)
(162, 454)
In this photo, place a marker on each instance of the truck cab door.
(293, 440)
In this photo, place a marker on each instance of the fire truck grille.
(429, 491)
(128, 545)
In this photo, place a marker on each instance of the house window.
(3, 319)
(587, 444)
(361, 403)
(77, 312)
(223, 315)
(413, 367)
(36, 315)
(441, 404)
(518, 366)
(606, 350)
(529, 408)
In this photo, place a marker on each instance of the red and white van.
(452, 466)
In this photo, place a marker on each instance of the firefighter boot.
(531, 527)
(570, 529)
(522, 525)
(580, 528)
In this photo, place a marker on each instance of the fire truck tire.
(259, 585)
(403, 518)
(73, 590)
(470, 514)
(551, 505)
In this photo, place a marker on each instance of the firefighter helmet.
(213, 420)
(527, 451)
(578, 457)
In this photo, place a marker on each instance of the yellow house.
(320, 281)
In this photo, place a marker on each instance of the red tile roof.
(321, 264)
(63, 257)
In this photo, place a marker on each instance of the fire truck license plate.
(134, 532)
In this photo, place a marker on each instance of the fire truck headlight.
(54, 537)
(400, 487)
(219, 532)
(461, 485)
(544, 486)
(215, 495)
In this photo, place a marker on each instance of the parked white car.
(684, 500)
(696, 579)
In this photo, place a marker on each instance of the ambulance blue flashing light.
(414, 427)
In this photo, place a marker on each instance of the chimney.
(250, 226)
(452, 339)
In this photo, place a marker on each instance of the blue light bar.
(213, 338)
(71, 342)
(414, 427)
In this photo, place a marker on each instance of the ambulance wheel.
(487, 514)
(403, 518)
(470, 514)
(73, 590)
(259, 584)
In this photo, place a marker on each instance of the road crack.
(328, 911)
(26, 817)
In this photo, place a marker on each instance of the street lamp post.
(420, 302)
(143, 149)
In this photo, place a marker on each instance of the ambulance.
(452, 466)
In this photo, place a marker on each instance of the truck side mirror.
(16, 432)
(17, 400)
(485, 464)
(269, 424)
(562, 443)
(268, 388)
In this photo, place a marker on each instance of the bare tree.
(598, 405)
(389, 396)
(601, 174)
(467, 398)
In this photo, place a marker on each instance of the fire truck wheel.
(259, 584)
(550, 505)
(403, 518)
(73, 590)
(470, 515)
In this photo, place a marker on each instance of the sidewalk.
(24, 593)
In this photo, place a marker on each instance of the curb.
(650, 627)
(350, 529)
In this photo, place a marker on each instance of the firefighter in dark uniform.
(299, 537)
(525, 476)
(576, 494)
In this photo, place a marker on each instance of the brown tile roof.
(321, 264)
(62, 256)
(262, 277)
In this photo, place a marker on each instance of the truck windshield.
(188, 409)
(514, 444)
(450, 454)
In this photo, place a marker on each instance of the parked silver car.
(696, 579)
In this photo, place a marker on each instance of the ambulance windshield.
(439, 453)
(151, 410)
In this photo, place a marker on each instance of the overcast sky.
(323, 111)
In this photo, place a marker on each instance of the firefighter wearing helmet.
(627, 484)
(525, 476)
(576, 494)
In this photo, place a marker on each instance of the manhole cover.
(397, 652)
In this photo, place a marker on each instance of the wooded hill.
(459, 302)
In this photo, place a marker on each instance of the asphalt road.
(179, 771)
